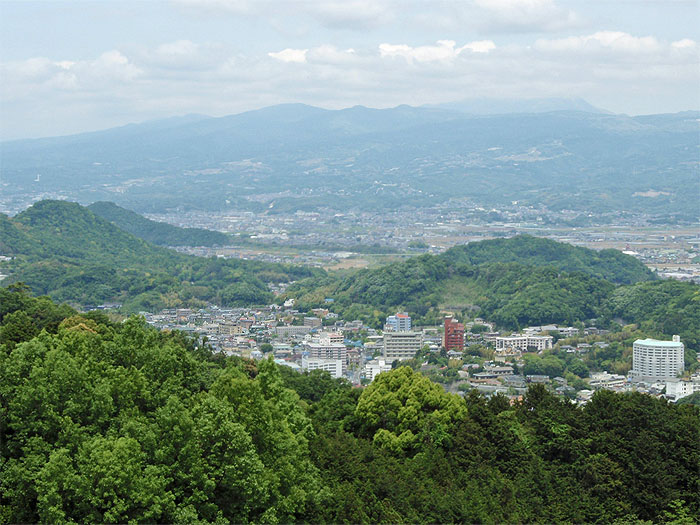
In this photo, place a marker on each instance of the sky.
(74, 66)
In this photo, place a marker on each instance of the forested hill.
(159, 233)
(612, 265)
(62, 229)
(539, 288)
(64, 250)
(105, 422)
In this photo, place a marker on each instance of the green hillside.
(541, 282)
(64, 250)
(105, 422)
(67, 230)
(611, 265)
(158, 233)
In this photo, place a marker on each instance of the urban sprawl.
(460, 355)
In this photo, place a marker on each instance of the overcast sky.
(71, 66)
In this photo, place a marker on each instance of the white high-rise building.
(654, 360)
(375, 367)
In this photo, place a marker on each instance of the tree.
(402, 409)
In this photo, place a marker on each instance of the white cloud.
(479, 46)
(110, 65)
(331, 55)
(363, 15)
(290, 55)
(109, 68)
(686, 43)
(602, 40)
(444, 50)
(336, 14)
(349, 14)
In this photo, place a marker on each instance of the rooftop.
(656, 342)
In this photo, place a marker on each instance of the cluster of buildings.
(317, 340)
(656, 369)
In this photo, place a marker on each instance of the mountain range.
(297, 157)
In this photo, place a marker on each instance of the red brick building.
(454, 335)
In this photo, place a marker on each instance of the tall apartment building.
(401, 345)
(454, 335)
(654, 360)
(401, 322)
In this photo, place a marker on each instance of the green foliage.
(545, 282)
(511, 294)
(117, 422)
(22, 316)
(402, 409)
(666, 307)
(120, 423)
(71, 254)
(611, 265)
(692, 399)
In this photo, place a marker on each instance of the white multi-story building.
(332, 366)
(606, 381)
(327, 350)
(401, 345)
(523, 342)
(678, 389)
(401, 322)
(654, 360)
(564, 331)
(375, 367)
(568, 331)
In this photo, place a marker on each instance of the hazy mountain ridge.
(591, 161)
(491, 106)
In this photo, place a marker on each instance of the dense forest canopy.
(116, 422)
